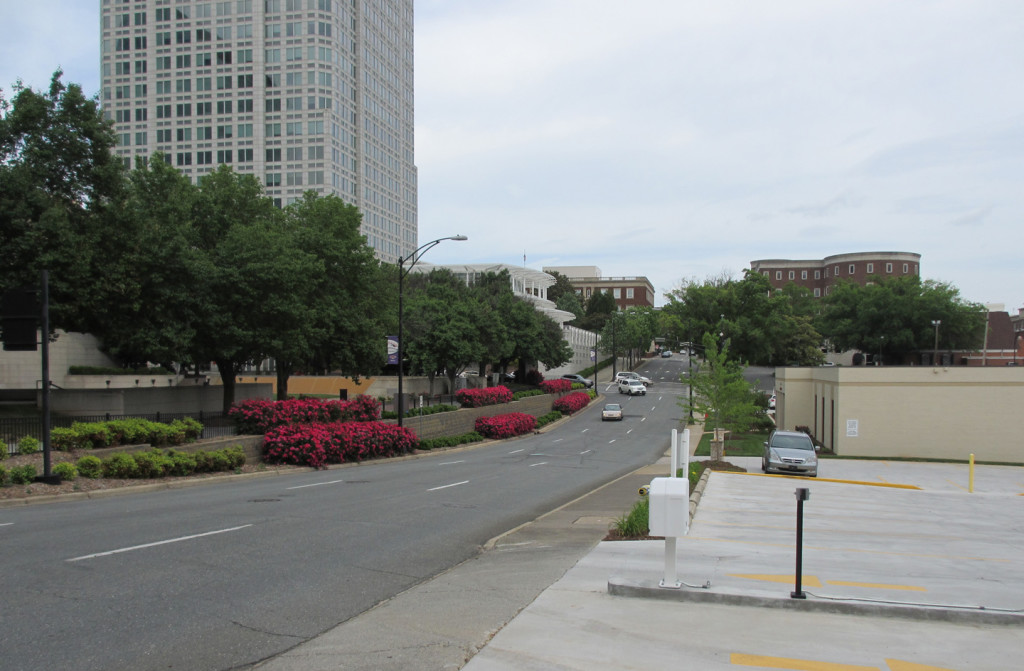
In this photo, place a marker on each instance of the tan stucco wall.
(923, 411)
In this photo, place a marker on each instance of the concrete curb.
(935, 613)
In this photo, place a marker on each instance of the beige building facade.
(917, 411)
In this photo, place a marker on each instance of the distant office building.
(627, 291)
(303, 94)
(820, 275)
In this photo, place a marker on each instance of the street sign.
(19, 319)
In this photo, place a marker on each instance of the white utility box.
(669, 500)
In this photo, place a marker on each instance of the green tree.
(440, 325)
(343, 324)
(720, 392)
(893, 316)
(142, 308)
(57, 171)
(250, 274)
(561, 287)
(599, 309)
(570, 302)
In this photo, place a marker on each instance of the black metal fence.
(13, 429)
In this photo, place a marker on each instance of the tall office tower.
(303, 94)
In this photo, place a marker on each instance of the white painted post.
(675, 453)
(684, 447)
(670, 580)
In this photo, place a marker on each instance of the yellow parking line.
(793, 664)
(875, 585)
(897, 665)
(845, 482)
(808, 580)
(825, 548)
(956, 485)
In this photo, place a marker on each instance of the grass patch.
(744, 445)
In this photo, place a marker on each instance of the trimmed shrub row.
(450, 441)
(572, 402)
(91, 435)
(477, 398)
(505, 426)
(258, 416)
(317, 445)
(557, 386)
(153, 463)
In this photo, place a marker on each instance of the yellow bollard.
(970, 481)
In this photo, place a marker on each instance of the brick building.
(627, 291)
(820, 275)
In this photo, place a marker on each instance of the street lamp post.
(935, 350)
(402, 272)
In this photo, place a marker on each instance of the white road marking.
(454, 484)
(150, 545)
(539, 463)
(643, 419)
(586, 452)
(629, 432)
(317, 484)
(449, 463)
(515, 451)
(6, 524)
(611, 441)
(584, 430)
(557, 440)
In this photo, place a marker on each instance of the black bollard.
(802, 494)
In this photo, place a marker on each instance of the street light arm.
(421, 250)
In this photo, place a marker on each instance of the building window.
(803, 274)
(837, 271)
(181, 61)
(224, 107)
(817, 274)
(204, 157)
(245, 155)
(163, 135)
(817, 292)
(629, 292)
(273, 154)
(203, 60)
(616, 293)
(184, 159)
(245, 106)
(871, 268)
(888, 267)
(778, 274)
(184, 135)
(792, 275)
(223, 156)
(853, 268)
(204, 109)
(905, 268)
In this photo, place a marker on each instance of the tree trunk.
(284, 371)
(717, 450)
(227, 379)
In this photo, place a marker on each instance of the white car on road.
(630, 375)
(632, 387)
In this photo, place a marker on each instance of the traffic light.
(19, 319)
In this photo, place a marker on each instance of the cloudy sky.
(679, 139)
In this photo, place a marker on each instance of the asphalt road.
(220, 577)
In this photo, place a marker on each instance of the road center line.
(150, 545)
(454, 484)
(515, 451)
(539, 463)
(449, 463)
(611, 441)
(317, 484)
(586, 451)
(6, 524)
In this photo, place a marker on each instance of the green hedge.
(157, 463)
(103, 370)
(91, 435)
(450, 441)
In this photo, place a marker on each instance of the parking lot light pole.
(402, 272)
(935, 350)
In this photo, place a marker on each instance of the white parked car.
(632, 387)
(630, 375)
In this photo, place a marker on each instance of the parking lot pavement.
(924, 577)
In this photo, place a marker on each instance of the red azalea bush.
(257, 416)
(505, 426)
(337, 442)
(476, 398)
(556, 386)
(571, 403)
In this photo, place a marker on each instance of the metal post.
(802, 494)
(935, 349)
(45, 356)
(401, 338)
(670, 580)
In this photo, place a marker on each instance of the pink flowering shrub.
(558, 386)
(334, 443)
(259, 416)
(571, 403)
(505, 426)
(476, 398)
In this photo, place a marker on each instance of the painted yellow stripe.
(825, 548)
(897, 665)
(808, 580)
(875, 585)
(793, 664)
(892, 485)
(960, 487)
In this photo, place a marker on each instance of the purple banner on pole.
(392, 350)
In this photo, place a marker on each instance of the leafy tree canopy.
(893, 316)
